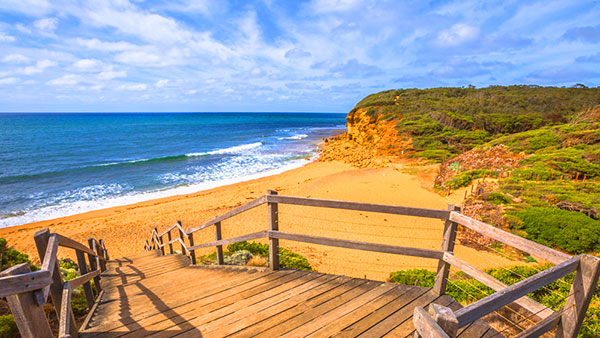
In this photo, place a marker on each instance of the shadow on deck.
(163, 296)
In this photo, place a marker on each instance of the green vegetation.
(444, 122)
(568, 230)
(8, 327)
(466, 290)
(10, 256)
(287, 258)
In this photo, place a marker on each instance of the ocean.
(55, 165)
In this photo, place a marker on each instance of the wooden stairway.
(163, 296)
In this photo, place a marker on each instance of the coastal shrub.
(570, 231)
(497, 198)
(418, 277)
(10, 256)
(255, 248)
(287, 258)
(8, 327)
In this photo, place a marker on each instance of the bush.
(570, 231)
(497, 198)
(8, 327)
(10, 256)
(287, 258)
(418, 277)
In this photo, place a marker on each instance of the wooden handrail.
(39, 284)
(533, 248)
(358, 206)
(245, 207)
(527, 303)
(482, 307)
(255, 235)
(342, 243)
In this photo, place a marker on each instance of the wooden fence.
(440, 321)
(27, 291)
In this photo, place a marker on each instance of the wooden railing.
(27, 291)
(441, 321)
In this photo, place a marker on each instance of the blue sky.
(316, 55)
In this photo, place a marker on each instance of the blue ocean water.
(54, 165)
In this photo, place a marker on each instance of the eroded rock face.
(369, 142)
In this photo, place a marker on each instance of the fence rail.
(567, 321)
(27, 291)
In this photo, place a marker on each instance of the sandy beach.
(125, 228)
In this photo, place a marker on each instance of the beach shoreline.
(125, 228)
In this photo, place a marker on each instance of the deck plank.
(151, 295)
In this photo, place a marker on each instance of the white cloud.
(15, 58)
(96, 44)
(110, 74)
(162, 83)
(23, 29)
(30, 7)
(6, 37)
(65, 80)
(47, 24)
(457, 35)
(324, 6)
(87, 64)
(8, 80)
(39, 67)
(191, 92)
(134, 86)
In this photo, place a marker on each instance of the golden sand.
(125, 228)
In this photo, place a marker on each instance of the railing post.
(443, 270)
(87, 288)
(170, 244)
(29, 316)
(273, 226)
(100, 253)
(442, 322)
(94, 265)
(219, 237)
(182, 238)
(160, 242)
(104, 251)
(582, 290)
(192, 252)
(41, 242)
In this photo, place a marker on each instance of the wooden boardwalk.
(163, 296)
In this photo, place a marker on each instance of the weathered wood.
(182, 237)
(342, 243)
(445, 318)
(160, 242)
(449, 237)
(170, 243)
(219, 237)
(527, 303)
(65, 321)
(23, 282)
(30, 317)
(506, 296)
(250, 205)
(541, 327)
(535, 249)
(69, 243)
(87, 288)
(94, 266)
(273, 210)
(426, 326)
(192, 252)
(41, 239)
(255, 235)
(104, 250)
(88, 317)
(50, 257)
(84, 279)
(358, 206)
(582, 290)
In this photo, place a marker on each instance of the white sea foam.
(77, 207)
(230, 150)
(294, 137)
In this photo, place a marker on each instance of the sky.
(267, 55)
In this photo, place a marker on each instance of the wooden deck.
(163, 296)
